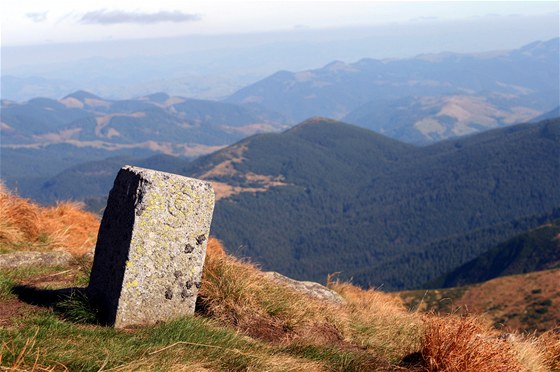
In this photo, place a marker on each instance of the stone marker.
(150, 247)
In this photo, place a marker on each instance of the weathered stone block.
(151, 247)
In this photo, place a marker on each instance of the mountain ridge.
(48, 130)
(523, 85)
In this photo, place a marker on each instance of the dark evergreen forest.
(380, 212)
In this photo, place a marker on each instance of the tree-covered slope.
(538, 249)
(325, 197)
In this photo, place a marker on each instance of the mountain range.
(175, 124)
(422, 99)
(417, 100)
(43, 136)
(387, 207)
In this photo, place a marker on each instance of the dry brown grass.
(237, 294)
(462, 344)
(378, 321)
(549, 342)
(371, 323)
(537, 353)
(25, 225)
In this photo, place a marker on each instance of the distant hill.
(538, 249)
(90, 181)
(325, 197)
(523, 302)
(42, 137)
(421, 99)
(425, 119)
(151, 121)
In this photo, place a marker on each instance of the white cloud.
(105, 17)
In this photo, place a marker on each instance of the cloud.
(104, 17)
(36, 16)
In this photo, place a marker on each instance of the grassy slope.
(528, 302)
(244, 321)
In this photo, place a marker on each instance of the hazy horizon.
(126, 50)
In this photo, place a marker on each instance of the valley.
(446, 174)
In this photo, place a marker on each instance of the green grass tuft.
(78, 308)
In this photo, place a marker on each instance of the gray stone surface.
(27, 259)
(311, 289)
(151, 247)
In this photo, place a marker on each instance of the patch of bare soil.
(11, 309)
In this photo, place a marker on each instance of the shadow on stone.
(114, 238)
(72, 304)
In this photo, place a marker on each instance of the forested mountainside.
(328, 197)
(535, 250)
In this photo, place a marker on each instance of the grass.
(187, 341)
(27, 226)
(246, 322)
(9, 277)
(523, 302)
(77, 308)
(458, 344)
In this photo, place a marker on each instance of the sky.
(208, 48)
(39, 22)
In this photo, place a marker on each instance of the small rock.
(312, 289)
(27, 259)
